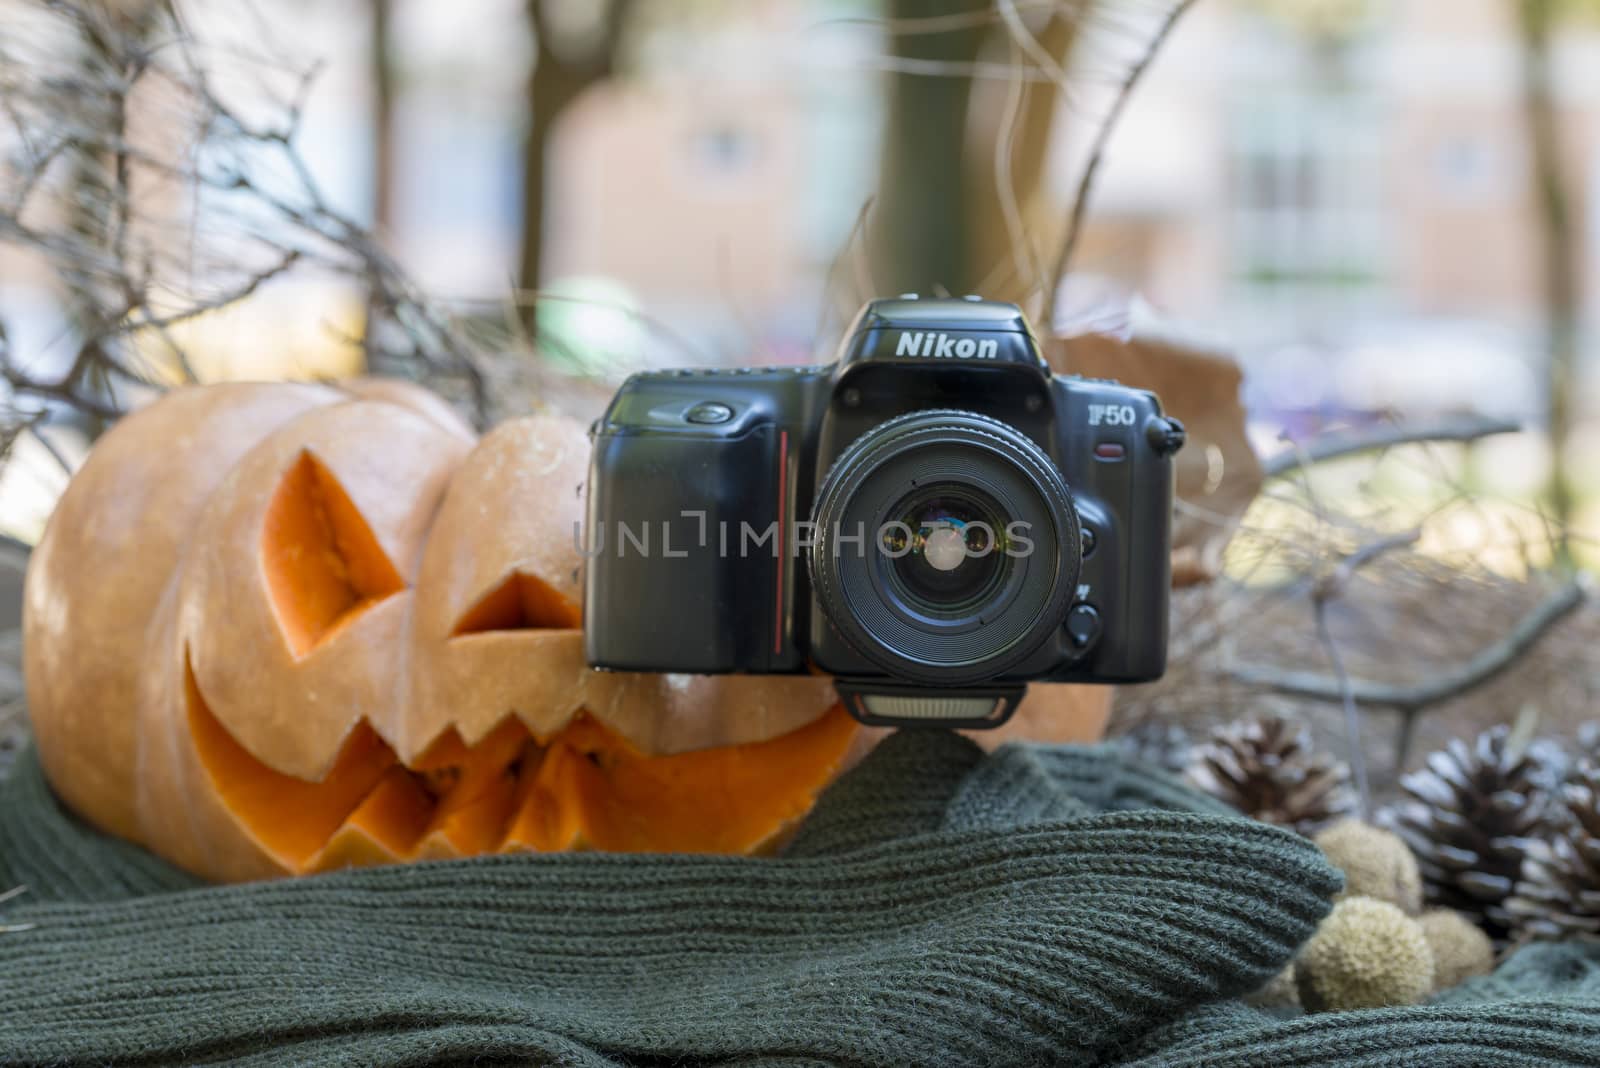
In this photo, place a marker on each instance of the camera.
(935, 520)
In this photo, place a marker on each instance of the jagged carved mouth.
(583, 788)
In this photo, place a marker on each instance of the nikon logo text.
(943, 346)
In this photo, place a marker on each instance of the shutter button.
(709, 412)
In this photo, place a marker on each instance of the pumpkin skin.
(273, 629)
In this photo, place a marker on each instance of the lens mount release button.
(1083, 625)
(709, 412)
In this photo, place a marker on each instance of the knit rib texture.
(1038, 906)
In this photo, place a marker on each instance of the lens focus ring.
(940, 619)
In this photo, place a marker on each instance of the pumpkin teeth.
(582, 787)
(438, 781)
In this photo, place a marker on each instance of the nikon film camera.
(935, 520)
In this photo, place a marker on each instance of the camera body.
(935, 519)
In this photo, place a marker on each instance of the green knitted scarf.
(1041, 906)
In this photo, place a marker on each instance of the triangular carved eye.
(324, 565)
(519, 602)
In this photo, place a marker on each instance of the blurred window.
(1306, 223)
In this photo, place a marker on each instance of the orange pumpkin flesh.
(349, 633)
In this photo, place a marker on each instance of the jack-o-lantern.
(275, 629)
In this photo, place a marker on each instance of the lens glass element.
(945, 549)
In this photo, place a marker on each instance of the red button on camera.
(1109, 450)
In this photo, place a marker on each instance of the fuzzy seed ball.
(1460, 948)
(1376, 863)
(1367, 954)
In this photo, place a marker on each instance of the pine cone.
(1556, 760)
(1266, 768)
(1472, 814)
(1551, 764)
(1588, 747)
(1157, 744)
(1558, 895)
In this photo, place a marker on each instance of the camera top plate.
(968, 313)
(970, 333)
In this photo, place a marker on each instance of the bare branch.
(1483, 667)
(1343, 443)
(115, 255)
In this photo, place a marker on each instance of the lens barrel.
(947, 547)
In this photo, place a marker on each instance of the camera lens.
(947, 547)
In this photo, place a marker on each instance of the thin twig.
(52, 451)
(1335, 583)
(1022, 251)
(1352, 716)
(14, 928)
(947, 68)
(1325, 591)
(1097, 151)
(907, 27)
(1029, 44)
(524, 298)
(854, 248)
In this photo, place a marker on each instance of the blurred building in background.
(1350, 212)
(1361, 212)
(1347, 205)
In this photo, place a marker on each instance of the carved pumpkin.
(275, 629)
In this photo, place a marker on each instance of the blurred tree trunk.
(562, 70)
(919, 234)
(111, 49)
(381, 58)
(1558, 237)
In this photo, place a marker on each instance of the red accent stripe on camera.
(783, 495)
